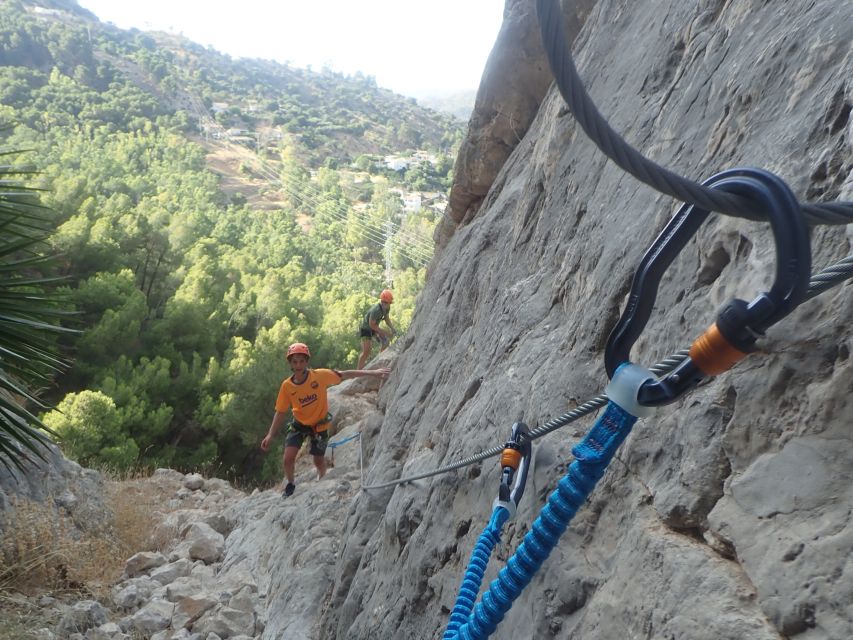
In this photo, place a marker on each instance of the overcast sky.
(414, 48)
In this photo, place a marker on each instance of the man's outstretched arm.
(361, 373)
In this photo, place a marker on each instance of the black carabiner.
(515, 463)
(738, 324)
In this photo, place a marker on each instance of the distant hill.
(326, 114)
(459, 104)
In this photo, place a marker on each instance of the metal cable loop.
(632, 161)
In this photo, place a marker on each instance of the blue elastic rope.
(470, 586)
(332, 445)
(592, 455)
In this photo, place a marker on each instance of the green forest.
(184, 294)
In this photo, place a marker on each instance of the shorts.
(367, 334)
(296, 434)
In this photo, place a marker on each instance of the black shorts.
(367, 334)
(296, 434)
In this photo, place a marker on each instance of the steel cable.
(819, 282)
(632, 161)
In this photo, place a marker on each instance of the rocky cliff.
(727, 514)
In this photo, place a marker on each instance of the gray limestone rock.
(204, 543)
(58, 483)
(108, 631)
(224, 622)
(167, 573)
(129, 595)
(142, 562)
(155, 616)
(194, 481)
(183, 588)
(81, 617)
(191, 608)
(726, 514)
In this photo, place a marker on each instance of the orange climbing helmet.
(298, 347)
(386, 296)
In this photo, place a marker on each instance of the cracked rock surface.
(725, 515)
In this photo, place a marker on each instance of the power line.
(420, 249)
(417, 251)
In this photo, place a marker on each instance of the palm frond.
(30, 312)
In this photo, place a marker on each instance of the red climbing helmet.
(386, 296)
(298, 347)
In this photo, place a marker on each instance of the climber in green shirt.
(370, 326)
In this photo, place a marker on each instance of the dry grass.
(138, 505)
(41, 550)
(21, 619)
(43, 553)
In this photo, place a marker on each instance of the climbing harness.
(738, 324)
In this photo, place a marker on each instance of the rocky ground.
(224, 556)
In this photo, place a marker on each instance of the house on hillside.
(211, 130)
(435, 200)
(412, 202)
(44, 11)
(220, 107)
(423, 156)
(396, 163)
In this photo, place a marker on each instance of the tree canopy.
(187, 292)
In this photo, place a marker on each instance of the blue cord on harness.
(592, 455)
(515, 463)
(476, 568)
(334, 445)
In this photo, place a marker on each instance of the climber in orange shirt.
(304, 393)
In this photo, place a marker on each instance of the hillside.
(459, 104)
(326, 114)
(207, 213)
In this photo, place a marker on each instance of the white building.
(412, 202)
(396, 163)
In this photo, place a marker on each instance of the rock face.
(727, 514)
(512, 87)
(58, 483)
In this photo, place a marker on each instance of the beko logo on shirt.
(307, 400)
